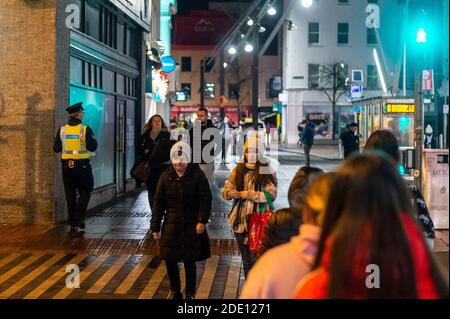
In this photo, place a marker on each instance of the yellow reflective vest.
(73, 140)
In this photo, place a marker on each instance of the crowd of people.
(359, 232)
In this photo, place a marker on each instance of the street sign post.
(356, 90)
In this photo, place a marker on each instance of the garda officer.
(75, 140)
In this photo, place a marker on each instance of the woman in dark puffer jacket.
(183, 198)
(285, 222)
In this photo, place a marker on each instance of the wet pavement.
(118, 260)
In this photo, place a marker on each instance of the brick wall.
(27, 103)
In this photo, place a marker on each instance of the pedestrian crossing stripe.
(37, 276)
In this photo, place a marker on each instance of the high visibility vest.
(73, 140)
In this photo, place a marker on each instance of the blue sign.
(168, 64)
(356, 90)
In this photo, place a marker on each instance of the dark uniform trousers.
(77, 178)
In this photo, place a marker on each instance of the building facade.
(330, 33)
(195, 37)
(56, 53)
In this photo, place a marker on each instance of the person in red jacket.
(371, 246)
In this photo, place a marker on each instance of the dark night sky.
(185, 5)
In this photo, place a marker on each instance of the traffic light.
(421, 36)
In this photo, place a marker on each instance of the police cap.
(75, 108)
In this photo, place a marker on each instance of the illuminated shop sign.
(399, 108)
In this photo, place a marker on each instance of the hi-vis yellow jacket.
(73, 140)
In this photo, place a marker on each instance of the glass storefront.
(100, 116)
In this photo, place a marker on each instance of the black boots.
(178, 295)
(189, 295)
(174, 295)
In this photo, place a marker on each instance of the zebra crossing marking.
(150, 289)
(32, 275)
(133, 276)
(42, 288)
(24, 264)
(107, 276)
(6, 260)
(84, 274)
(232, 283)
(207, 278)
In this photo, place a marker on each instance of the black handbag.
(140, 171)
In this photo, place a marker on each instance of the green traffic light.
(421, 36)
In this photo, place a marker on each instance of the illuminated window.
(210, 91)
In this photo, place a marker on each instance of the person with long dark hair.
(276, 274)
(385, 141)
(154, 146)
(371, 246)
(247, 185)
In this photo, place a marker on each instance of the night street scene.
(242, 151)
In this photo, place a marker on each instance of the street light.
(262, 29)
(248, 48)
(271, 11)
(232, 50)
(307, 3)
(225, 64)
(250, 22)
(421, 36)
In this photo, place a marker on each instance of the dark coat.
(182, 202)
(349, 142)
(308, 134)
(162, 153)
(281, 226)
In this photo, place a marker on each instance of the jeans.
(248, 258)
(307, 149)
(174, 275)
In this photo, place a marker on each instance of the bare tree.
(242, 81)
(333, 82)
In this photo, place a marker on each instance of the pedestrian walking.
(247, 186)
(386, 142)
(183, 199)
(276, 274)
(371, 246)
(307, 139)
(154, 147)
(226, 132)
(206, 162)
(350, 139)
(74, 141)
(284, 223)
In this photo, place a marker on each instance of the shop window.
(233, 90)
(186, 88)
(120, 37)
(371, 36)
(108, 80)
(372, 78)
(92, 23)
(313, 76)
(76, 70)
(210, 91)
(120, 84)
